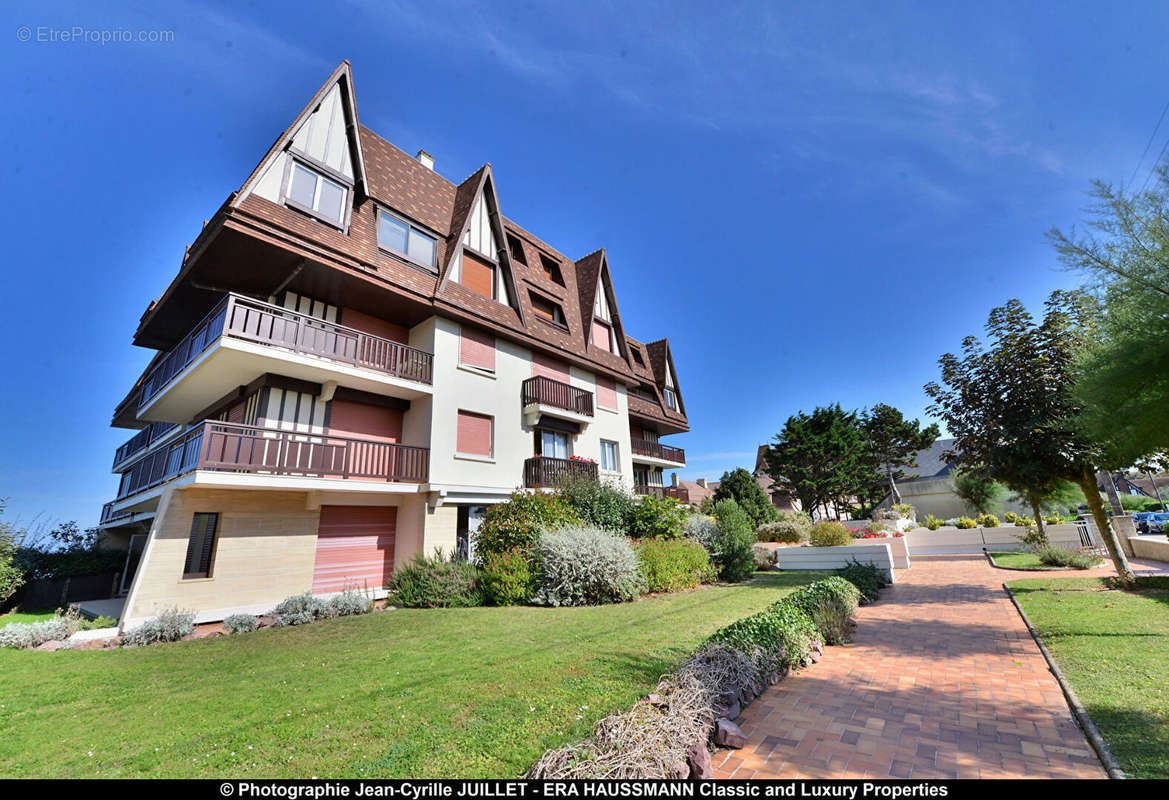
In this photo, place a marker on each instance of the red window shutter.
(478, 275)
(474, 434)
(549, 367)
(606, 392)
(601, 336)
(477, 348)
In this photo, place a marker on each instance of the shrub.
(520, 521)
(33, 634)
(829, 603)
(600, 505)
(436, 583)
(656, 518)
(868, 578)
(97, 623)
(765, 558)
(583, 566)
(1055, 556)
(741, 486)
(932, 522)
(670, 566)
(507, 578)
(701, 529)
(1024, 521)
(732, 552)
(241, 623)
(1010, 517)
(300, 609)
(349, 603)
(785, 531)
(1053, 519)
(988, 521)
(783, 635)
(169, 626)
(965, 523)
(829, 534)
(904, 510)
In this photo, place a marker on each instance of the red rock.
(728, 734)
(699, 758)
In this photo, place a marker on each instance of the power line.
(1148, 144)
(1153, 166)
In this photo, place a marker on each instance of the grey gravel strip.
(1078, 711)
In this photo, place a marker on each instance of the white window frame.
(616, 466)
(321, 175)
(410, 228)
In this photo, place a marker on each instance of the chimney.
(674, 480)
(425, 159)
(702, 482)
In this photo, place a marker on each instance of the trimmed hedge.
(829, 534)
(784, 531)
(671, 566)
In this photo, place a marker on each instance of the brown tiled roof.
(396, 180)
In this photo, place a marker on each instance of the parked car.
(1141, 520)
(1158, 522)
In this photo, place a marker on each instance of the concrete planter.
(1154, 548)
(973, 540)
(803, 559)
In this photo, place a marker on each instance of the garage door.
(355, 548)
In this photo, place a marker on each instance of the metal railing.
(547, 472)
(549, 392)
(231, 447)
(143, 439)
(264, 323)
(644, 447)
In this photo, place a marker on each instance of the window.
(398, 236)
(555, 444)
(200, 546)
(606, 392)
(551, 269)
(637, 359)
(602, 336)
(476, 348)
(671, 399)
(609, 461)
(475, 434)
(310, 191)
(516, 249)
(547, 309)
(478, 275)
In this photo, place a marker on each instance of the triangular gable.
(595, 288)
(662, 363)
(477, 224)
(325, 133)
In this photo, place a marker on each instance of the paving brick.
(941, 680)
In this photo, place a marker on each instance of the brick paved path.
(942, 680)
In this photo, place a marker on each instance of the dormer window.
(551, 269)
(671, 399)
(311, 192)
(403, 239)
(516, 249)
(547, 310)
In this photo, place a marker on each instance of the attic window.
(403, 239)
(551, 269)
(637, 356)
(516, 249)
(313, 193)
(547, 310)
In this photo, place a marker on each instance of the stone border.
(1107, 760)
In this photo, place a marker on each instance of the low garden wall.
(803, 559)
(1155, 548)
(973, 540)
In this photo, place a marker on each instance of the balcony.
(141, 440)
(241, 339)
(675, 492)
(540, 396)
(656, 453)
(251, 450)
(544, 472)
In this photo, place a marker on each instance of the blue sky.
(813, 201)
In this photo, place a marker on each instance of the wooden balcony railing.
(230, 447)
(264, 323)
(546, 472)
(141, 440)
(675, 492)
(548, 392)
(644, 447)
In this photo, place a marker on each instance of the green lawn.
(1020, 561)
(25, 616)
(404, 693)
(1112, 647)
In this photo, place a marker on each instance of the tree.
(1011, 409)
(894, 440)
(740, 485)
(821, 458)
(1123, 383)
(11, 575)
(977, 490)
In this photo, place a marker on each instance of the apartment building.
(356, 358)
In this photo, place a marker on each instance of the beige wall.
(441, 530)
(265, 551)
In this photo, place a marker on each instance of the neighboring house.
(356, 358)
(692, 492)
(781, 500)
